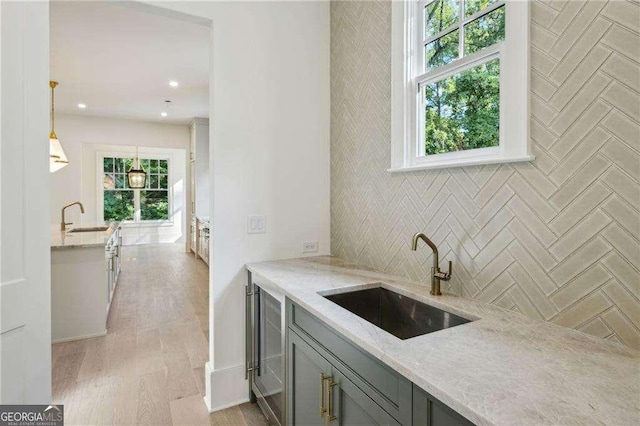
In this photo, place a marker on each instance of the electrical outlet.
(256, 224)
(310, 247)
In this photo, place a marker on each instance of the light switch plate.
(310, 247)
(256, 224)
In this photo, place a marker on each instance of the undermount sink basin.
(90, 229)
(399, 315)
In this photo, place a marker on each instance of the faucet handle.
(444, 276)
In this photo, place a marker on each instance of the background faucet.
(436, 273)
(63, 224)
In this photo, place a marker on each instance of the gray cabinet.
(319, 394)
(325, 371)
(429, 411)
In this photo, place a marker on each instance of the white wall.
(82, 137)
(270, 155)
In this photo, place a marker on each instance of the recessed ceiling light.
(164, 114)
(173, 83)
(82, 106)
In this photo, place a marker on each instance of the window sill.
(460, 163)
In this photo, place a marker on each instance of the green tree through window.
(121, 202)
(462, 112)
(154, 201)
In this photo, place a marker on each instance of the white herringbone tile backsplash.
(556, 239)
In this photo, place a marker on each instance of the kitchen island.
(501, 368)
(85, 264)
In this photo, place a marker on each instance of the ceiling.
(119, 60)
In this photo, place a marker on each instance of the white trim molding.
(225, 388)
(406, 74)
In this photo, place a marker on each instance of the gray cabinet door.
(310, 401)
(428, 411)
(306, 370)
(353, 407)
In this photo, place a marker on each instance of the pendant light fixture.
(57, 157)
(136, 176)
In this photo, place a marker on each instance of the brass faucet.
(63, 224)
(436, 273)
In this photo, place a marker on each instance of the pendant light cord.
(53, 85)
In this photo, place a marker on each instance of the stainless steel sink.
(399, 315)
(90, 229)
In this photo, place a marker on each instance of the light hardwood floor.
(149, 368)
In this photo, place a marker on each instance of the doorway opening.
(130, 304)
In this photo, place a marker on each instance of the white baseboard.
(87, 336)
(225, 388)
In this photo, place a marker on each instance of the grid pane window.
(484, 31)
(442, 51)
(121, 203)
(440, 15)
(118, 205)
(461, 111)
(474, 6)
(154, 205)
(154, 200)
(118, 199)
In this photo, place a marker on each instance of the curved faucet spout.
(63, 223)
(423, 237)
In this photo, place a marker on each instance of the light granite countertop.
(72, 240)
(501, 369)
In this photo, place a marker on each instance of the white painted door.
(25, 290)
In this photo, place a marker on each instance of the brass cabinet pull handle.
(323, 410)
(330, 385)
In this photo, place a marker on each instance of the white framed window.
(118, 202)
(460, 83)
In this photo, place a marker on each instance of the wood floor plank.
(125, 406)
(102, 391)
(252, 414)
(148, 351)
(122, 354)
(153, 400)
(67, 366)
(196, 345)
(198, 376)
(180, 381)
(94, 363)
(229, 416)
(189, 411)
